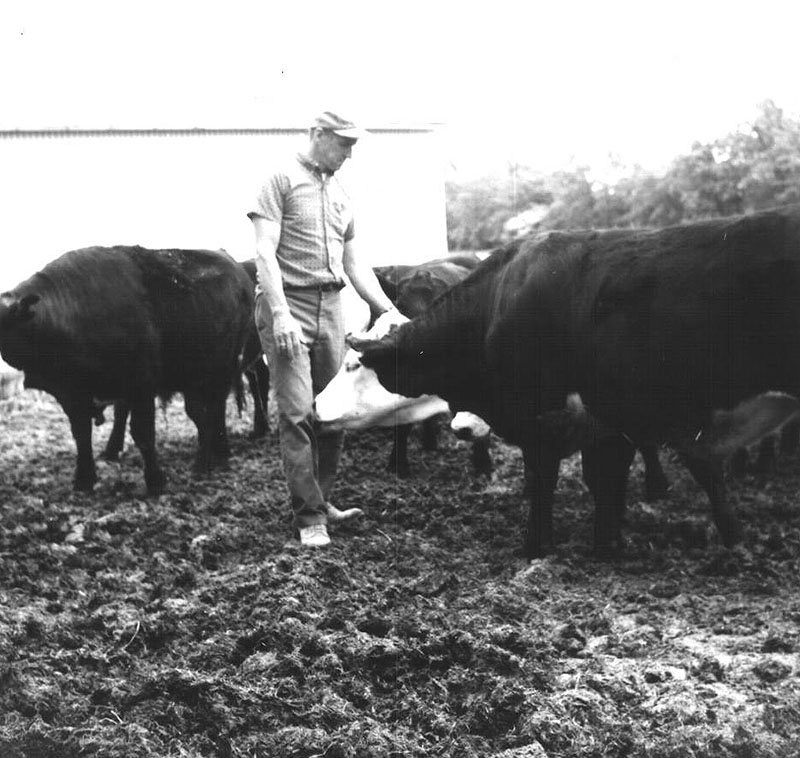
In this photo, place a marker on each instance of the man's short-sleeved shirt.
(316, 218)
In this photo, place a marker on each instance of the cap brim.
(353, 132)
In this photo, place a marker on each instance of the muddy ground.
(194, 625)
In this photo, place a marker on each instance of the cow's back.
(655, 327)
(202, 304)
(113, 321)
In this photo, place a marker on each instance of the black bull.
(684, 335)
(104, 324)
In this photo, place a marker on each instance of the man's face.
(331, 150)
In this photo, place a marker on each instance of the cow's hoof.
(402, 470)
(260, 428)
(156, 483)
(532, 552)
(483, 467)
(85, 487)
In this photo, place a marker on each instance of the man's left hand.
(384, 323)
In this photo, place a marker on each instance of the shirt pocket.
(338, 216)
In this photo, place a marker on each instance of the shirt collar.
(313, 166)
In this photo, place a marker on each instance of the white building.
(62, 189)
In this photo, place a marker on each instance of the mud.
(194, 625)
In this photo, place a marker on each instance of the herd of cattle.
(598, 341)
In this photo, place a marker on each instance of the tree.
(752, 168)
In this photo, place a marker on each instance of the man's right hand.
(287, 333)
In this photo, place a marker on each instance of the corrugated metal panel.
(193, 132)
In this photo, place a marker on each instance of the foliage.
(754, 167)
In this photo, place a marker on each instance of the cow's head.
(356, 399)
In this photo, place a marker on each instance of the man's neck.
(309, 160)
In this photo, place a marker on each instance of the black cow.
(412, 288)
(99, 325)
(687, 335)
(253, 367)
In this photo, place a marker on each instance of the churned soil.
(194, 625)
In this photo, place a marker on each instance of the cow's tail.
(238, 388)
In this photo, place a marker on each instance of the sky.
(545, 84)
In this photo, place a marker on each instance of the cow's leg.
(398, 458)
(196, 410)
(116, 440)
(258, 380)
(656, 484)
(739, 463)
(710, 477)
(767, 459)
(143, 431)
(207, 410)
(606, 465)
(541, 475)
(482, 464)
(218, 430)
(430, 434)
(79, 414)
(790, 437)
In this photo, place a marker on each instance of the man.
(305, 245)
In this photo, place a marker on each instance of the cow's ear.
(387, 285)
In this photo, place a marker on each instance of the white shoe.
(315, 535)
(335, 515)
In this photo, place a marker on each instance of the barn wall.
(188, 190)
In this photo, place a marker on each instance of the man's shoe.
(315, 535)
(335, 515)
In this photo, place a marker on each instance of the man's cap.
(338, 125)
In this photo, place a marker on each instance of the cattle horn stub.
(358, 341)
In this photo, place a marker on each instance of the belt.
(324, 287)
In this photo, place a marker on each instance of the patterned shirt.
(316, 219)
